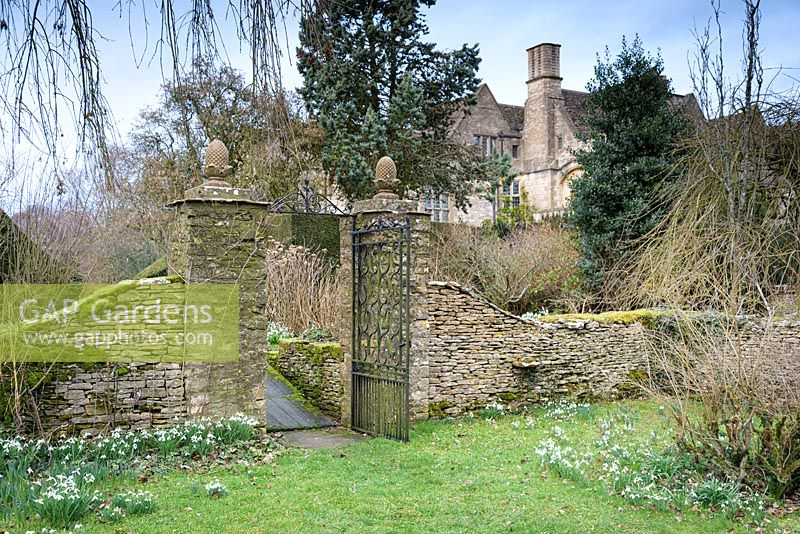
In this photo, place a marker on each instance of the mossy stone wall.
(481, 354)
(214, 240)
(224, 242)
(89, 397)
(315, 369)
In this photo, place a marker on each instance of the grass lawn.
(454, 476)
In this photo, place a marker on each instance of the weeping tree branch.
(52, 82)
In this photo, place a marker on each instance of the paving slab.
(321, 438)
(286, 412)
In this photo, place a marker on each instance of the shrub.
(166, 440)
(302, 290)
(237, 428)
(492, 410)
(316, 334)
(736, 402)
(530, 268)
(715, 493)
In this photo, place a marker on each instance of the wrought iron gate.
(381, 327)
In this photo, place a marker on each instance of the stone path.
(286, 412)
(321, 439)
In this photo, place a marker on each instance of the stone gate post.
(387, 205)
(220, 236)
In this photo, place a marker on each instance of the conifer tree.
(633, 132)
(377, 88)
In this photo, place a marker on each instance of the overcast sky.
(503, 29)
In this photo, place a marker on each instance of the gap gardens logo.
(154, 320)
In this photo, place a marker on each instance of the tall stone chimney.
(544, 61)
(544, 92)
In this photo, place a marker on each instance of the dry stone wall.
(480, 354)
(90, 397)
(315, 369)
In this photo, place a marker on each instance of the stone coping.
(593, 320)
(223, 200)
(243, 201)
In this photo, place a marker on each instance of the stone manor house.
(537, 136)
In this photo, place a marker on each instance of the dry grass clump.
(728, 244)
(302, 290)
(735, 394)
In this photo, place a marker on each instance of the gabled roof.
(574, 105)
(688, 103)
(514, 115)
(575, 102)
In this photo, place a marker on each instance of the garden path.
(285, 411)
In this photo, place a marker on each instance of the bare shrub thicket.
(40, 242)
(531, 268)
(729, 240)
(302, 290)
(736, 398)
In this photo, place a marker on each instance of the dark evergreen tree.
(378, 89)
(633, 132)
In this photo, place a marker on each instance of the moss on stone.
(296, 394)
(91, 366)
(638, 375)
(645, 316)
(315, 351)
(310, 386)
(437, 409)
(507, 397)
(156, 269)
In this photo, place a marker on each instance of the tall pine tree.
(378, 89)
(633, 132)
